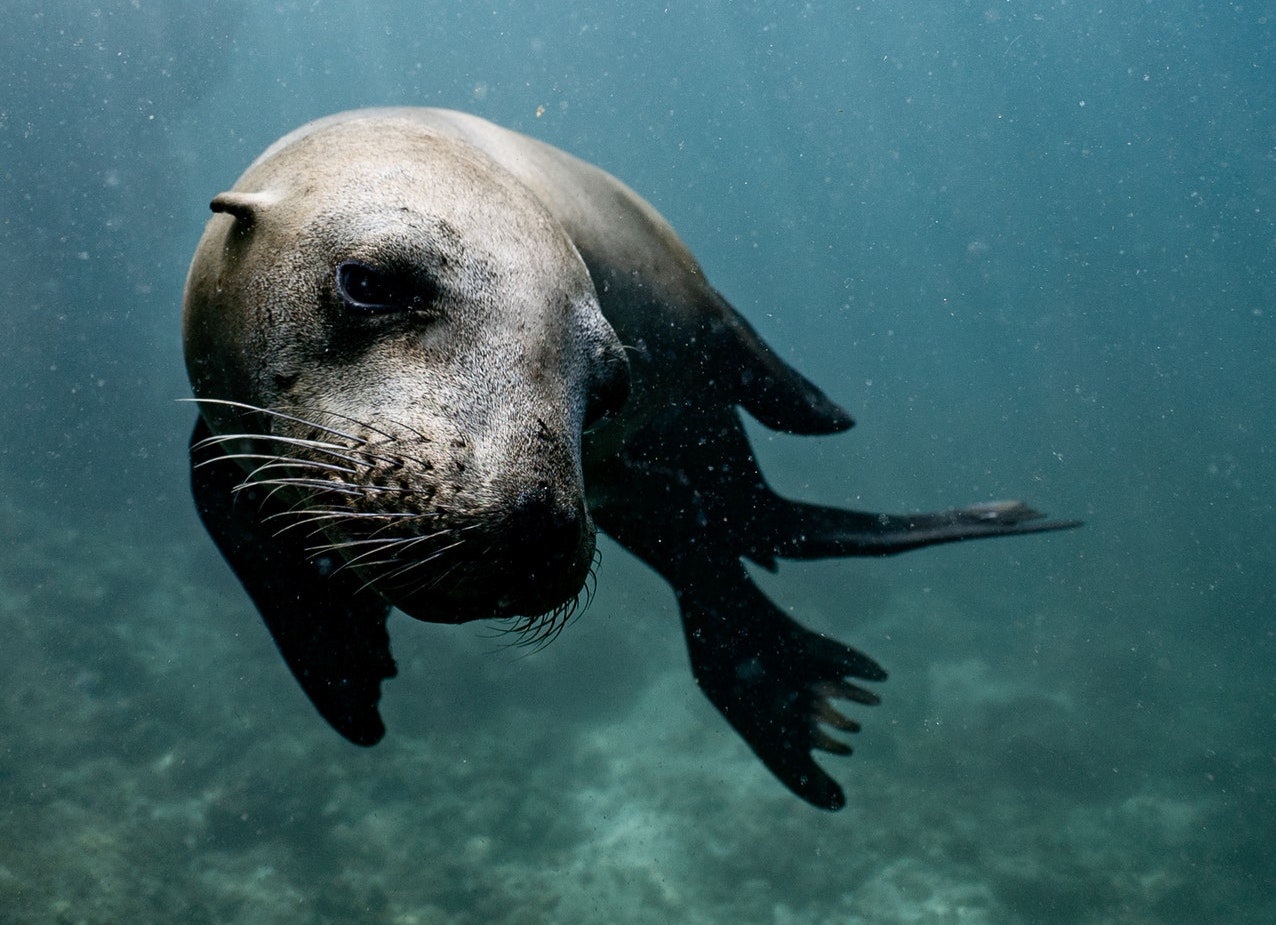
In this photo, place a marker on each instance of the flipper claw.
(773, 679)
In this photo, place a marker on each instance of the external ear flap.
(244, 206)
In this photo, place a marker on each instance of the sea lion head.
(402, 349)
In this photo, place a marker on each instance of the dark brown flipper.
(771, 390)
(809, 531)
(329, 629)
(773, 680)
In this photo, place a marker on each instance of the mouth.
(357, 491)
(532, 587)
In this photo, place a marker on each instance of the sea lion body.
(431, 354)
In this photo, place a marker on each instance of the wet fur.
(436, 458)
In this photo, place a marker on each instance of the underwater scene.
(1030, 247)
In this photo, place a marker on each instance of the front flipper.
(328, 627)
(772, 679)
(771, 390)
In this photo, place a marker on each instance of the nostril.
(538, 498)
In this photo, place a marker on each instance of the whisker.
(377, 546)
(287, 417)
(287, 462)
(312, 514)
(218, 439)
(442, 576)
(536, 632)
(363, 460)
(278, 462)
(371, 582)
(308, 422)
(341, 488)
(395, 545)
(406, 567)
(315, 517)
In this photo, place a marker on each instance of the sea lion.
(431, 354)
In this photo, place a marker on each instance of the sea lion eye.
(375, 291)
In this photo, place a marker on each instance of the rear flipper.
(773, 680)
(794, 530)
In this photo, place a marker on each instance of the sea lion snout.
(523, 557)
(546, 546)
(446, 530)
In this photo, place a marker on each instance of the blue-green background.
(1029, 245)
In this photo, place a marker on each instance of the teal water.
(1029, 246)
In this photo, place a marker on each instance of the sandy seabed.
(159, 765)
